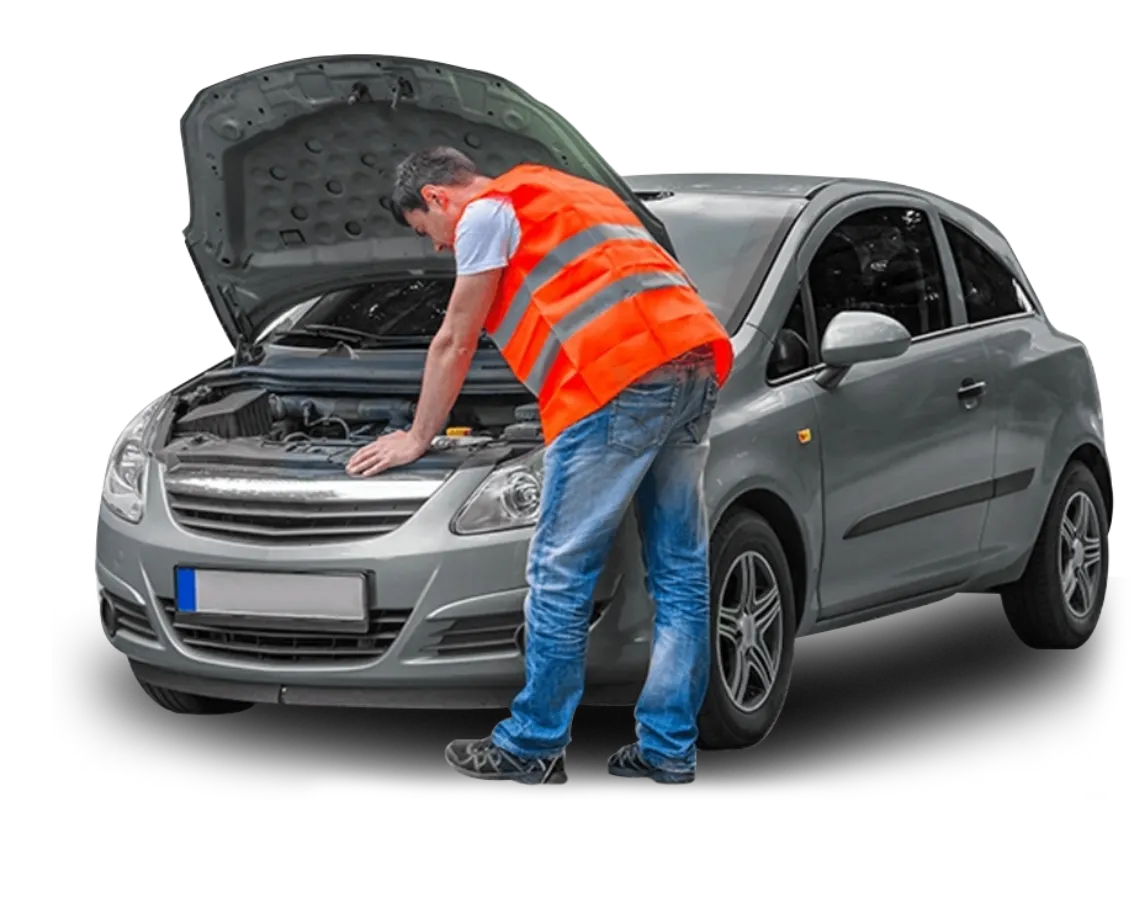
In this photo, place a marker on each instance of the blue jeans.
(649, 444)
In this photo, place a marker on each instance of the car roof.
(770, 185)
(737, 188)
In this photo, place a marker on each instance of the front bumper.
(444, 610)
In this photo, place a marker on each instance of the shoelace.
(484, 755)
(487, 756)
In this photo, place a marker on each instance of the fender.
(762, 493)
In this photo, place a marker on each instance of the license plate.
(326, 597)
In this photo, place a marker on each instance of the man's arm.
(451, 352)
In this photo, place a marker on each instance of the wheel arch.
(1094, 460)
(1090, 455)
(779, 514)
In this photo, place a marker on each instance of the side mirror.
(854, 337)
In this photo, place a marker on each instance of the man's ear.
(431, 195)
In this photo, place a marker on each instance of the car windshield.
(723, 241)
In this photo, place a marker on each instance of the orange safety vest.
(589, 302)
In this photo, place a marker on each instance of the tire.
(198, 704)
(1036, 605)
(725, 720)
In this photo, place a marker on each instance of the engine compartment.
(253, 426)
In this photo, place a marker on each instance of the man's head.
(431, 190)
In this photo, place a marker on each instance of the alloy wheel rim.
(1080, 554)
(749, 631)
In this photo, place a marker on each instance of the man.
(606, 330)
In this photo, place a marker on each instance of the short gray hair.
(442, 165)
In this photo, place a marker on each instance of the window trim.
(1028, 290)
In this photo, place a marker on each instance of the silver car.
(903, 423)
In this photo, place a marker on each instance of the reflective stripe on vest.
(588, 310)
(553, 262)
(550, 266)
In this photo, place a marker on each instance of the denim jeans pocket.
(640, 416)
(698, 427)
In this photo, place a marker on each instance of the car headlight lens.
(125, 481)
(510, 498)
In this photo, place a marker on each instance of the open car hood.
(290, 169)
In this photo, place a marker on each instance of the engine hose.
(391, 411)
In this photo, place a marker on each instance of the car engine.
(253, 426)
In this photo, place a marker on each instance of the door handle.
(970, 392)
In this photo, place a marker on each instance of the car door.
(1032, 381)
(907, 443)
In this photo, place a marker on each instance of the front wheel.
(1057, 602)
(752, 633)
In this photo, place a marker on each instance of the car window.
(988, 287)
(791, 351)
(883, 260)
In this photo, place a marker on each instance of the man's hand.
(389, 451)
(446, 364)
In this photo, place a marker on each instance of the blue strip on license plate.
(185, 596)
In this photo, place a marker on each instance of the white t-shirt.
(487, 236)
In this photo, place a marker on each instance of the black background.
(942, 701)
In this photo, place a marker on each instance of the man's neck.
(473, 188)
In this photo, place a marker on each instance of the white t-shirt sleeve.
(486, 237)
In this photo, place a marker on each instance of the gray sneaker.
(629, 764)
(481, 759)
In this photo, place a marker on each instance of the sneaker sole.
(537, 779)
(657, 776)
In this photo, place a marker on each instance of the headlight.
(124, 482)
(509, 499)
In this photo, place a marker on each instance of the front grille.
(287, 524)
(127, 616)
(227, 638)
(477, 636)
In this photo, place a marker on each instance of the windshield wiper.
(355, 337)
(364, 338)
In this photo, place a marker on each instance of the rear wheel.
(752, 633)
(1058, 600)
(182, 702)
